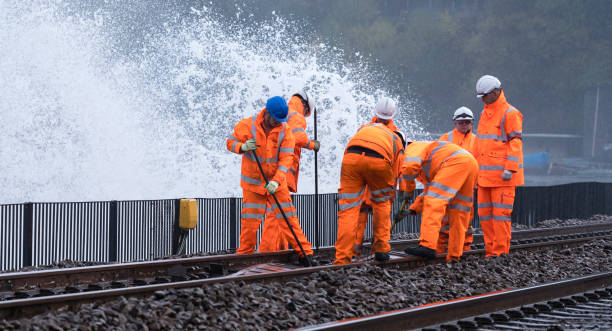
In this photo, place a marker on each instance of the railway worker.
(461, 135)
(370, 159)
(500, 158)
(301, 105)
(267, 137)
(448, 173)
(384, 112)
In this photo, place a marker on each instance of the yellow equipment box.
(188, 216)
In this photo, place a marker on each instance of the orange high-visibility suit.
(469, 142)
(369, 159)
(275, 152)
(448, 174)
(500, 147)
(366, 206)
(297, 124)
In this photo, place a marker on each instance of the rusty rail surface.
(46, 299)
(218, 265)
(441, 312)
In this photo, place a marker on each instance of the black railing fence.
(117, 231)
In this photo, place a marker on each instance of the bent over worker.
(369, 159)
(500, 158)
(267, 137)
(301, 105)
(384, 112)
(448, 173)
(462, 136)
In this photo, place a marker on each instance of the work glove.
(249, 145)
(272, 186)
(317, 145)
(507, 175)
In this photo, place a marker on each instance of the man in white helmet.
(463, 136)
(384, 112)
(500, 161)
(301, 105)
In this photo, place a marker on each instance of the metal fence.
(109, 231)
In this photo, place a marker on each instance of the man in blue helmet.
(267, 136)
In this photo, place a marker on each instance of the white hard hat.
(403, 137)
(486, 84)
(385, 109)
(463, 113)
(309, 100)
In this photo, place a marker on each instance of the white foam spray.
(88, 113)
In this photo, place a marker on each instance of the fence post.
(28, 233)
(112, 231)
(175, 228)
(233, 223)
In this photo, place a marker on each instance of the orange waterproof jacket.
(275, 152)
(500, 144)
(468, 141)
(378, 137)
(423, 160)
(297, 123)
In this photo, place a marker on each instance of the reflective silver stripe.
(444, 188)
(250, 180)
(490, 136)
(292, 171)
(298, 130)
(253, 130)
(283, 168)
(272, 160)
(515, 134)
(502, 125)
(385, 198)
(382, 190)
(351, 195)
(459, 207)
(490, 167)
(406, 177)
(495, 218)
(450, 136)
(350, 205)
(288, 214)
(254, 205)
(461, 151)
(285, 205)
(286, 150)
(520, 166)
(413, 159)
(234, 145)
(437, 196)
(427, 165)
(255, 216)
(250, 157)
(291, 115)
(512, 158)
(495, 205)
(463, 198)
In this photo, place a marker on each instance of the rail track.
(585, 299)
(149, 277)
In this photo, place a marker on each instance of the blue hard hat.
(277, 106)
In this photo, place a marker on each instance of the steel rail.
(217, 265)
(441, 312)
(19, 307)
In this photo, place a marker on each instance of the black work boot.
(308, 261)
(421, 251)
(381, 257)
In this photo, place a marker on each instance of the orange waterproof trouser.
(494, 210)
(451, 192)
(358, 171)
(254, 208)
(271, 230)
(443, 237)
(362, 222)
